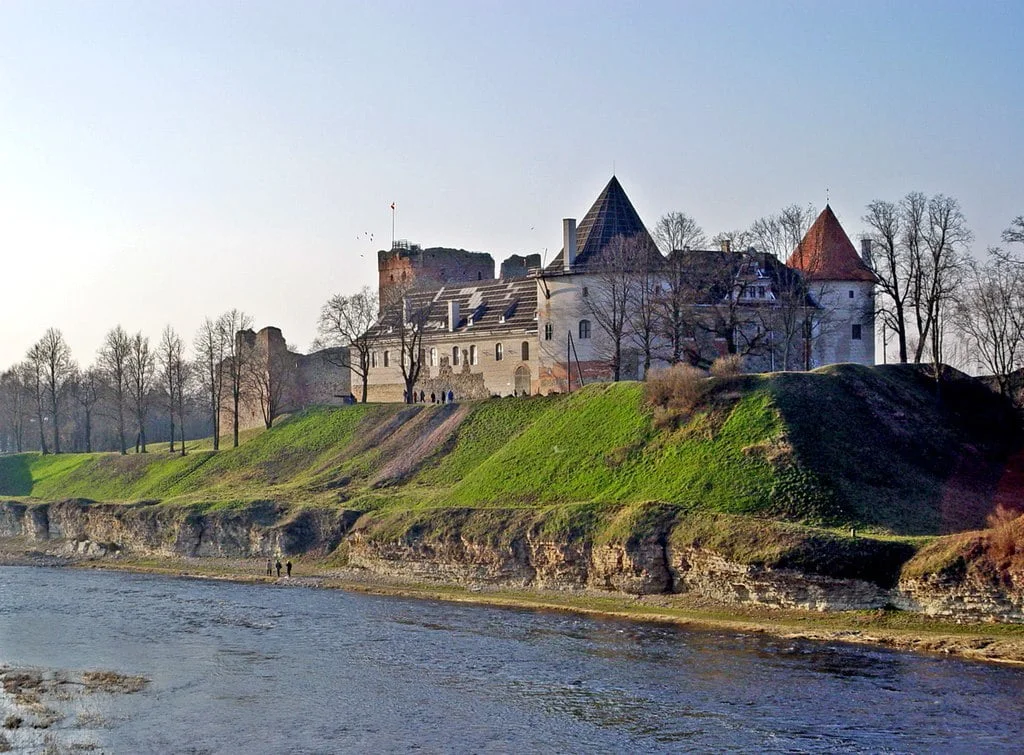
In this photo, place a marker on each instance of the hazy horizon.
(162, 163)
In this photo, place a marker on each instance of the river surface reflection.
(243, 668)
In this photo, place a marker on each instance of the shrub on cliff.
(675, 392)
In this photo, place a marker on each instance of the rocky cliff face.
(644, 568)
(650, 566)
(77, 526)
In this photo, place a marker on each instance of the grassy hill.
(880, 447)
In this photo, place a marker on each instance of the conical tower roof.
(826, 254)
(610, 216)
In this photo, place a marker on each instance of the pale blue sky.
(160, 162)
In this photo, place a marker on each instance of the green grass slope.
(874, 446)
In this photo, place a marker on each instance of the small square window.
(856, 332)
(851, 293)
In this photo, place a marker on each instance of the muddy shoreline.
(990, 642)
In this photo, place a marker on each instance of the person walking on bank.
(270, 570)
(279, 568)
(288, 567)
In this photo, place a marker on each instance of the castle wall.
(490, 376)
(399, 269)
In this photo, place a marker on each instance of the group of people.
(271, 567)
(421, 397)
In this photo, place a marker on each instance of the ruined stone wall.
(399, 269)
(518, 266)
(325, 377)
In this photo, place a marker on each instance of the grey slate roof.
(611, 215)
(494, 305)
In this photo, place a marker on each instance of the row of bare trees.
(130, 381)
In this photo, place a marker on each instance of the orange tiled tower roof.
(826, 254)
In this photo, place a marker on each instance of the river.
(237, 668)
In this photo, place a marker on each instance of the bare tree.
(612, 293)
(780, 234)
(348, 321)
(946, 238)
(990, 315)
(54, 367)
(211, 347)
(141, 367)
(170, 355)
(893, 266)
(231, 323)
(677, 230)
(32, 375)
(644, 311)
(87, 391)
(270, 374)
(14, 400)
(1015, 233)
(113, 361)
(404, 317)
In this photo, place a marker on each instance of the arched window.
(497, 352)
(584, 329)
(455, 355)
(387, 358)
(525, 351)
(473, 357)
(373, 358)
(549, 331)
(433, 357)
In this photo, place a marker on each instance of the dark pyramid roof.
(826, 254)
(610, 216)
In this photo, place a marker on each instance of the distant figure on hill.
(270, 570)
(451, 396)
(278, 567)
(433, 398)
(423, 397)
(288, 567)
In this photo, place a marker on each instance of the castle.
(448, 326)
(550, 329)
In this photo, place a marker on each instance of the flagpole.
(392, 225)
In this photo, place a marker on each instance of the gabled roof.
(611, 215)
(826, 254)
(495, 305)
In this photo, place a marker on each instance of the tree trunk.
(234, 417)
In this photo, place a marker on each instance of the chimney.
(726, 245)
(453, 316)
(568, 243)
(865, 252)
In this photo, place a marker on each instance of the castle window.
(586, 292)
(433, 357)
(525, 351)
(549, 331)
(856, 336)
(497, 352)
(387, 358)
(479, 276)
(851, 293)
(473, 356)
(584, 329)
(373, 358)
(455, 356)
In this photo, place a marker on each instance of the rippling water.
(244, 668)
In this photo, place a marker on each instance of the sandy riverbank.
(991, 642)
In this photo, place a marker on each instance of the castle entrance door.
(522, 380)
